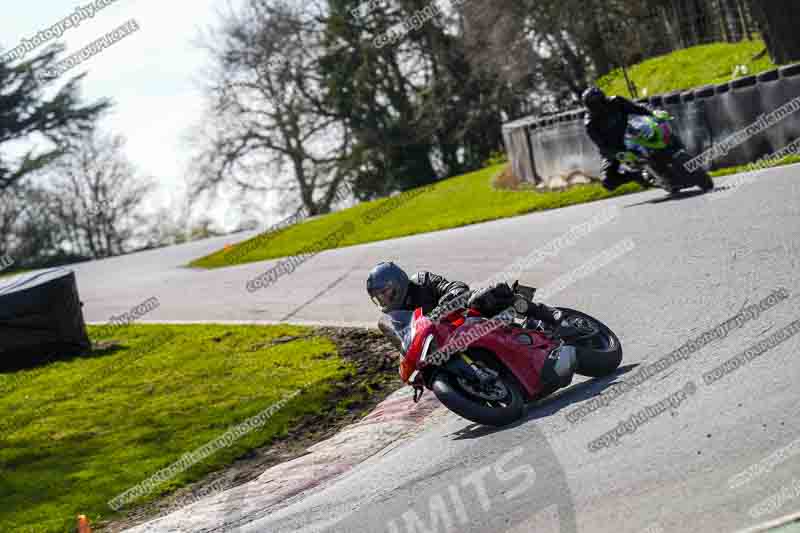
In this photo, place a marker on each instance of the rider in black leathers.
(605, 124)
(391, 289)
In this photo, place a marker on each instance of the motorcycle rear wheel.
(698, 177)
(598, 355)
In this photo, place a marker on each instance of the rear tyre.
(664, 177)
(599, 354)
(697, 177)
(448, 390)
(704, 181)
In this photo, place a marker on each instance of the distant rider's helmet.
(595, 100)
(387, 286)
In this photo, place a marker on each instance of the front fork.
(460, 365)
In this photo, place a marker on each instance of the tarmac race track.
(694, 264)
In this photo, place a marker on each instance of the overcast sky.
(152, 75)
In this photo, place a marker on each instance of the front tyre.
(508, 406)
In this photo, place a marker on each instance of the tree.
(541, 48)
(29, 232)
(267, 131)
(779, 20)
(97, 197)
(418, 109)
(26, 115)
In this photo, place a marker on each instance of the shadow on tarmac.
(550, 405)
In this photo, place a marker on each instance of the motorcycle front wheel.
(500, 405)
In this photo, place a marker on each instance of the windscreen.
(397, 328)
(639, 127)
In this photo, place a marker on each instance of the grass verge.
(685, 69)
(788, 160)
(79, 432)
(450, 203)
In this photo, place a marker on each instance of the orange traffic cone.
(228, 247)
(83, 524)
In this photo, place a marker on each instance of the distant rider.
(606, 125)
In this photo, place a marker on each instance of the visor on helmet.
(383, 298)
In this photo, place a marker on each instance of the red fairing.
(422, 328)
(524, 360)
(522, 351)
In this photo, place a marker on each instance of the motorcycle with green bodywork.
(653, 148)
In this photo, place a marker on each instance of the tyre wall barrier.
(541, 149)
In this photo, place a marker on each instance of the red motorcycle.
(486, 369)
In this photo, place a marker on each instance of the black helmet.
(387, 285)
(594, 99)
